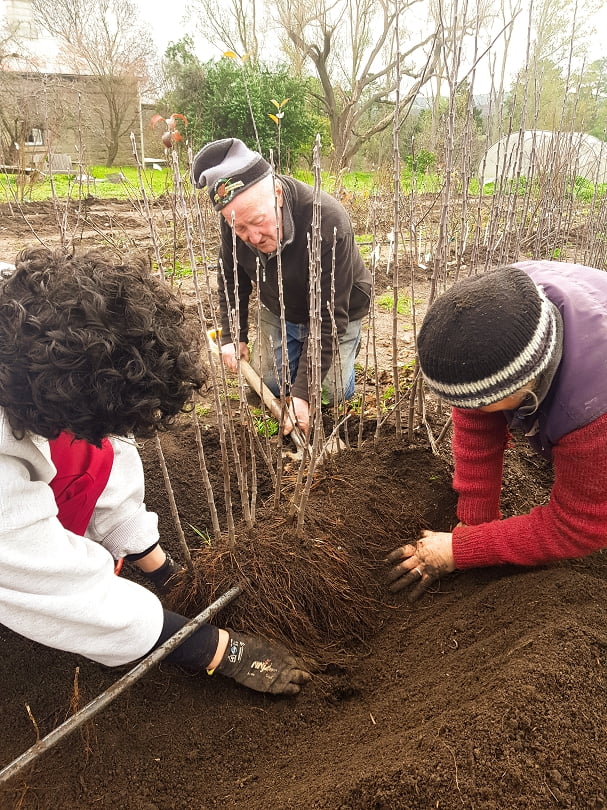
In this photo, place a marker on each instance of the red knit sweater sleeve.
(478, 450)
(572, 524)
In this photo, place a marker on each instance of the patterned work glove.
(164, 578)
(261, 665)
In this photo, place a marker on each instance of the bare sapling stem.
(242, 461)
(429, 431)
(396, 220)
(239, 448)
(204, 322)
(314, 339)
(363, 396)
(340, 406)
(204, 473)
(415, 253)
(453, 47)
(83, 179)
(417, 381)
(216, 378)
(284, 373)
(253, 458)
(218, 373)
(147, 211)
(411, 409)
(510, 225)
(480, 223)
(267, 453)
(372, 330)
(60, 215)
(173, 506)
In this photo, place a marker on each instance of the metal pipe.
(102, 700)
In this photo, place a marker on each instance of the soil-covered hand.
(417, 566)
(262, 665)
(164, 578)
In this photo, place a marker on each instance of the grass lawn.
(115, 183)
(123, 183)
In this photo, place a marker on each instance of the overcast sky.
(169, 26)
(166, 24)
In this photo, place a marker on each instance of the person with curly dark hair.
(93, 354)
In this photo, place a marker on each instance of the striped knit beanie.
(486, 337)
(227, 168)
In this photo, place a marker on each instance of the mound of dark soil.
(489, 693)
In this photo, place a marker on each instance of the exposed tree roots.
(322, 595)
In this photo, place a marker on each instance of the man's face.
(254, 215)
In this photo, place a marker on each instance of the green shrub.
(421, 162)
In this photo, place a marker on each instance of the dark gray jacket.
(352, 279)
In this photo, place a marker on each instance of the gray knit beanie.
(486, 337)
(227, 168)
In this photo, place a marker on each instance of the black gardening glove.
(164, 578)
(262, 665)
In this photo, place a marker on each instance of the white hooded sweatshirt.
(59, 588)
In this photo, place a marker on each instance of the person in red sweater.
(520, 349)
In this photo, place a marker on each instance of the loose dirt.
(487, 694)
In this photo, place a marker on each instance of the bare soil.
(488, 694)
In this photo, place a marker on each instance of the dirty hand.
(228, 355)
(298, 414)
(262, 665)
(422, 563)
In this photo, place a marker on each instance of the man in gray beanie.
(272, 215)
(521, 349)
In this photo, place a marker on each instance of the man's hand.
(262, 665)
(298, 414)
(421, 564)
(228, 355)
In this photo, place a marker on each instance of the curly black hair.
(93, 347)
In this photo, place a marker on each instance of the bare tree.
(11, 123)
(104, 39)
(559, 36)
(231, 25)
(350, 43)
(25, 94)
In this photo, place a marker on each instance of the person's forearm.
(202, 650)
(222, 642)
(572, 524)
(152, 561)
(478, 452)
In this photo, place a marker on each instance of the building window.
(34, 137)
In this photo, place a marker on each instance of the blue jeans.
(267, 355)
